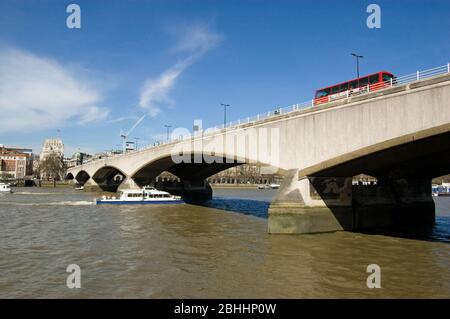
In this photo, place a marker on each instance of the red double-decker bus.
(371, 82)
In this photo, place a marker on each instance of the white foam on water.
(73, 203)
(128, 228)
(31, 193)
(62, 203)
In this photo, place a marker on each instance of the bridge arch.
(69, 176)
(82, 177)
(423, 154)
(195, 169)
(109, 178)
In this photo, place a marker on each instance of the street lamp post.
(357, 62)
(224, 114)
(136, 143)
(167, 127)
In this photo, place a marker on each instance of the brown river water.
(220, 250)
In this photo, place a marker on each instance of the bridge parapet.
(377, 133)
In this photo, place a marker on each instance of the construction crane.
(124, 136)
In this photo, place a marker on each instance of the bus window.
(335, 89)
(343, 87)
(374, 79)
(364, 81)
(387, 77)
(321, 93)
(353, 84)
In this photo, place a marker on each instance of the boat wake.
(62, 203)
(31, 193)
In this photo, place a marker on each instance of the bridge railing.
(402, 80)
(397, 81)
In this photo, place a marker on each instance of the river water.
(187, 251)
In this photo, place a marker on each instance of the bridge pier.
(306, 205)
(394, 203)
(324, 204)
(128, 183)
(92, 186)
(197, 190)
(190, 190)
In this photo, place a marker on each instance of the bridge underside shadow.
(322, 198)
(192, 173)
(108, 178)
(82, 177)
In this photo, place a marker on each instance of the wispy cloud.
(39, 93)
(194, 41)
(123, 119)
(93, 114)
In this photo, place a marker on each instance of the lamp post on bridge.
(136, 143)
(224, 114)
(167, 127)
(357, 62)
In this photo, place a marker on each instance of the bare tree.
(52, 166)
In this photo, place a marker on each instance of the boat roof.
(147, 190)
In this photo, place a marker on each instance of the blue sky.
(176, 61)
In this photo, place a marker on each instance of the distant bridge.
(400, 134)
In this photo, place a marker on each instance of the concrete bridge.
(400, 135)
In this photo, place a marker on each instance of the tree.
(5, 176)
(52, 166)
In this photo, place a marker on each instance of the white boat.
(274, 186)
(5, 188)
(79, 188)
(440, 190)
(146, 195)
